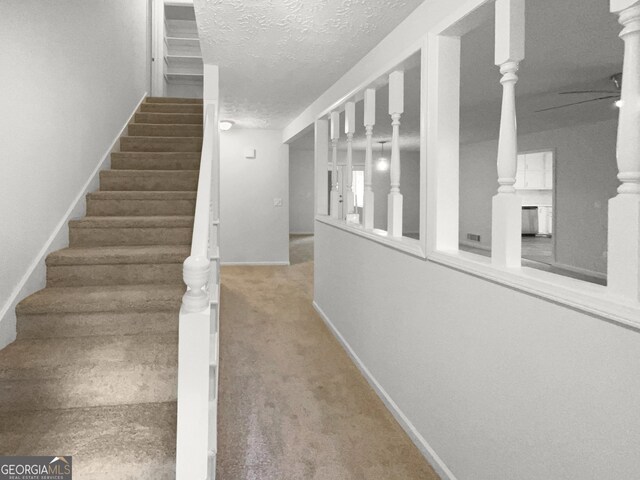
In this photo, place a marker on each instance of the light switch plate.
(249, 153)
(277, 202)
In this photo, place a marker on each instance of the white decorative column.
(396, 108)
(335, 194)
(349, 129)
(506, 228)
(369, 122)
(624, 209)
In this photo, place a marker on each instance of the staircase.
(93, 370)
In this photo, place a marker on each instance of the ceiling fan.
(616, 80)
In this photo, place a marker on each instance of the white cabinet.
(535, 171)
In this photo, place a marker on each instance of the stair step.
(56, 325)
(161, 144)
(88, 371)
(170, 108)
(143, 435)
(149, 180)
(155, 160)
(92, 299)
(197, 101)
(140, 230)
(164, 130)
(129, 265)
(169, 118)
(132, 203)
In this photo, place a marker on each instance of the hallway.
(292, 404)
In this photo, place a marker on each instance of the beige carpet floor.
(292, 404)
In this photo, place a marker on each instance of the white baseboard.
(432, 457)
(301, 233)
(255, 264)
(34, 278)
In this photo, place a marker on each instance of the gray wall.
(301, 191)
(70, 80)
(253, 229)
(585, 180)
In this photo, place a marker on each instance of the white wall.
(502, 385)
(72, 72)
(252, 229)
(301, 191)
(586, 178)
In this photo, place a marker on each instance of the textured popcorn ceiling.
(278, 56)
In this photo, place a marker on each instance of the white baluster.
(349, 129)
(624, 209)
(369, 122)
(396, 109)
(506, 230)
(195, 274)
(335, 194)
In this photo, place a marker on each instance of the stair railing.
(198, 323)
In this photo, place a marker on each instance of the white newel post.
(335, 194)
(506, 229)
(369, 122)
(624, 209)
(396, 109)
(349, 129)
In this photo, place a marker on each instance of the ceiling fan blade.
(577, 103)
(588, 91)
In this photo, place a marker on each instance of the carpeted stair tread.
(173, 221)
(155, 160)
(141, 203)
(172, 118)
(171, 108)
(88, 371)
(197, 101)
(107, 442)
(119, 255)
(71, 355)
(164, 130)
(160, 144)
(143, 195)
(149, 180)
(114, 298)
(68, 324)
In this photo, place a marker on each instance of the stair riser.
(92, 324)
(134, 208)
(172, 118)
(160, 144)
(154, 164)
(125, 274)
(99, 386)
(196, 101)
(165, 130)
(96, 237)
(149, 183)
(170, 108)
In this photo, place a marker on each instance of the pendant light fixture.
(382, 164)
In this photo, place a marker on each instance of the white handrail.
(198, 335)
(196, 267)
